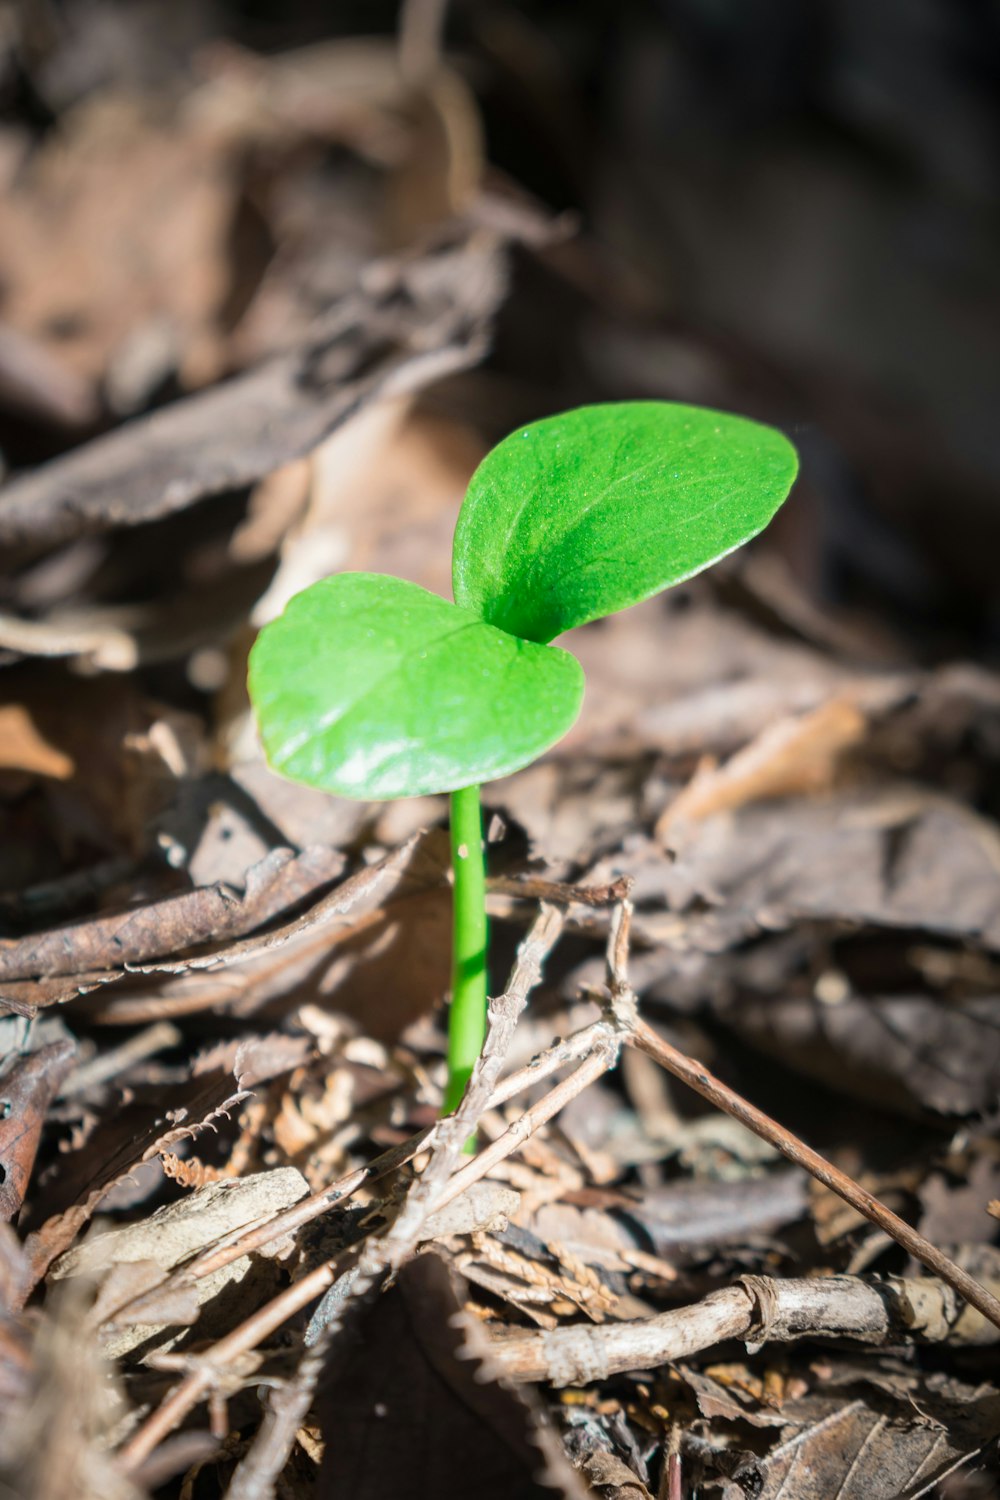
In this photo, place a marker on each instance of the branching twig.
(754, 1309)
(696, 1076)
(243, 1242)
(385, 1254)
(599, 1061)
(566, 1050)
(287, 1408)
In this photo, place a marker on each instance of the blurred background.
(785, 209)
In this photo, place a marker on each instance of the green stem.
(467, 1022)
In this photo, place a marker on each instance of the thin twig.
(697, 1077)
(639, 1034)
(896, 1310)
(240, 1341)
(533, 1119)
(385, 1254)
(566, 1050)
(558, 893)
(245, 1241)
(421, 33)
(256, 1472)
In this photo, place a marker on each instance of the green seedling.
(370, 687)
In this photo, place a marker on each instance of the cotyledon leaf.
(372, 687)
(585, 513)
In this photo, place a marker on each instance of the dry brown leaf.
(26, 997)
(905, 1052)
(611, 1478)
(417, 320)
(122, 756)
(675, 1221)
(888, 855)
(794, 757)
(173, 1234)
(281, 880)
(439, 1417)
(27, 1087)
(250, 969)
(954, 1203)
(703, 680)
(23, 746)
(865, 1450)
(116, 231)
(81, 1179)
(386, 489)
(732, 1400)
(300, 962)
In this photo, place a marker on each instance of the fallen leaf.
(436, 1417)
(428, 317)
(81, 1179)
(796, 756)
(957, 1212)
(723, 682)
(376, 911)
(27, 1087)
(24, 748)
(28, 996)
(908, 1052)
(677, 1217)
(155, 1245)
(892, 856)
(869, 1451)
(611, 1478)
(731, 1401)
(281, 880)
(118, 225)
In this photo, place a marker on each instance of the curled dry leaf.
(256, 966)
(351, 950)
(279, 881)
(611, 1478)
(418, 320)
(133, 1135)
(27, 1087)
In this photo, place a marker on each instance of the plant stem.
(467, 1022)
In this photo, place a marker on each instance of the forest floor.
(259, 326)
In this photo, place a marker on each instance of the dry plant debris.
(752, 902)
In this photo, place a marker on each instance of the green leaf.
(585, 513)
(374, 688)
